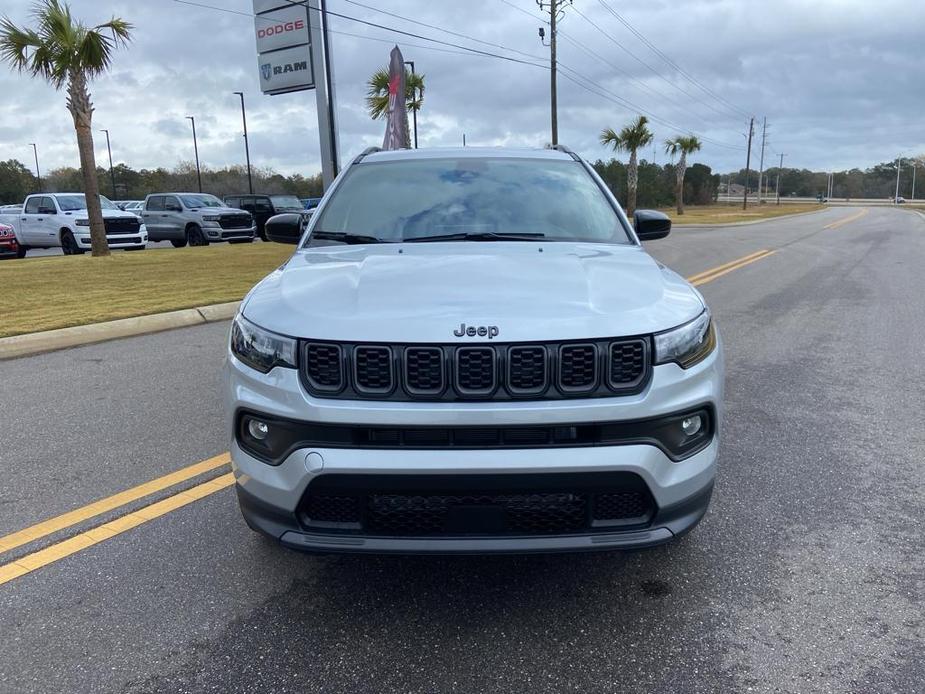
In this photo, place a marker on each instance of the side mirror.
(651, 225)
(285, 228)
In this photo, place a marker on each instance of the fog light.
(690, 425)
(259, 430)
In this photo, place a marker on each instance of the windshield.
(202, 200)
(72, 203)
(288, 202)
(407, 200)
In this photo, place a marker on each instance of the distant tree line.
(656, 185)
(876, 182)
(16, 181)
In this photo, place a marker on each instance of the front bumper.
(117, 241)
(9, 248)
(214, 232)
(270, 495)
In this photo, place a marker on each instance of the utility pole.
(899, 166)
(554, 13)
(192, 120)
(112, 176)
(38, 176)
(748, 161)
(764, 132)
(414, 111)
(778, 176)
(915, 164)
(247, 151)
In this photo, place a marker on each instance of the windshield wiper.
(345, 237)
(479, 236)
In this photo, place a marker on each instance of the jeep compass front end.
(470, 351)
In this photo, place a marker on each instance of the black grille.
(626, 505)
(324, 367)
(373, 370)
(234, 221)
(627, 363)
(475, 370)
(577, 368)
(424, 372)
(526, 370)
(598, 368)
(127, 225)
(125, 240)
(421, 505)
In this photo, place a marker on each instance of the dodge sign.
(281, 28)
(284, 59)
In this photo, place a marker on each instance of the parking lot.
(805, 576)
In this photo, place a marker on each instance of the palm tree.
(377, 94)
(630, 139)
(66, 53)
(685, 145)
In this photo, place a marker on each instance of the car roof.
(468, 152)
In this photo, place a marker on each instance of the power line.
(375, 25)
(655, 72)
(668, 60)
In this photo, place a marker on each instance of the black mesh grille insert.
(521, 514)
(373, 369)
(526, 370)
(477, 505)
(121, 225)
(424, 370)
(475, 370)
(577, 367)
(627, 363)
(324, 366)
(621, 505)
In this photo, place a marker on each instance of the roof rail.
(368, 150)
(566, 150)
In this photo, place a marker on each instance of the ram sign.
(283, 47)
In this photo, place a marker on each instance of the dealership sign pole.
(293, 54)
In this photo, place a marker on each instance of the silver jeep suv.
(196, 219)
(470, 351)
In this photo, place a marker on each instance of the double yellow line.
(88, 538)
(714, 273)
(846, 220)
(65, 548)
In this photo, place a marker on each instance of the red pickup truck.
(9, 246)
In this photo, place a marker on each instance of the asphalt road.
(807, 575)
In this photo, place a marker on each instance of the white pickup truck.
(52, 220)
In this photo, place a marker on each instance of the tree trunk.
(679, 172)
(632, 180)
(81, 108)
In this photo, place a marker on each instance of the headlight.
(210, 217)
(688, 344)
(259, 348)
(82, 222)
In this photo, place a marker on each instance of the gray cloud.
(839, 80)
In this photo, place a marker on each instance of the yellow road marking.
(65, 520)
(699, 275)
(846, 220)
(721, 270)
(65, 548)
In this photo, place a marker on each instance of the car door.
(174, 225)
(152, 215)
(28, 220)
(263, 210)
(50, 220)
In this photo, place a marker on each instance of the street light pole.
(414, 111)
(914, 167)
(899, 166)
(247, 152)
(38, 176)
(112, 176)
(778, 176)
(192, 120)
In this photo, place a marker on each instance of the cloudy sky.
(840, 81)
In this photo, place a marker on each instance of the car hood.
(424, 292)
(107, 214)
(219, 210)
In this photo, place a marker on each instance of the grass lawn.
(62, 291)
(724, 214)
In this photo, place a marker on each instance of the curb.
(62, 338)
(747, 223)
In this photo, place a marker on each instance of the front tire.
(21, 252)
(69, 244)
(195, 237)
(178, 243)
